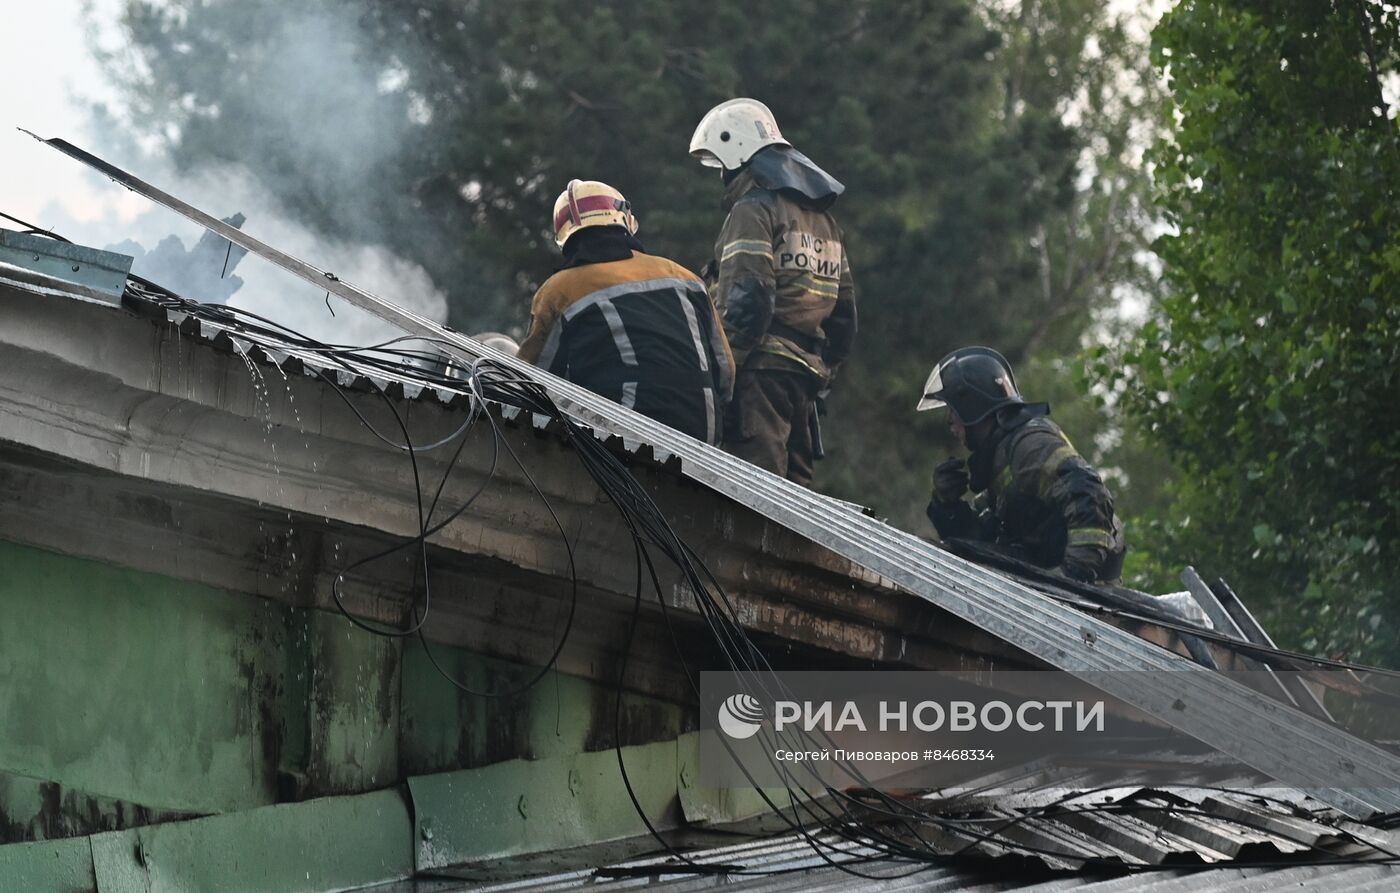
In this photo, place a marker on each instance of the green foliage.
(1270, 369)
(444, 130)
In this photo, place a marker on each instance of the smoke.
(266, 289)
(319, 123)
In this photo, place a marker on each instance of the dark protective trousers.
(769, 421)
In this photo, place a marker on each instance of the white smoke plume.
(267, 290)
(312, 91)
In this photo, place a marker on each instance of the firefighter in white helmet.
(629, 326)
(782, 281)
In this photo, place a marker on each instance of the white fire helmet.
(590, 203)
(731, 132)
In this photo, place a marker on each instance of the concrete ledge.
(338, 843)
(505, 810)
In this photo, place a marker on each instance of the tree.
(444, 130)
(1269, 371)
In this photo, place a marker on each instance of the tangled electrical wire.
(847, 831)
(390, 360)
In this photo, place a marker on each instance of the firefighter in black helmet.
(1034, 493)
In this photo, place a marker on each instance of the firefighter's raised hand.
(950, 480)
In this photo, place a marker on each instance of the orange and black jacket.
(636, 329)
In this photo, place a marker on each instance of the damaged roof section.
(1032, 829)
(1352, 775)
(788, 864)
(163, 405)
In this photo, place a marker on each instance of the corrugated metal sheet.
(1227, 836)
(790, 863)
(1348, 773)
(358, 378)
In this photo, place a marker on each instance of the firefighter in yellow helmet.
(629, 326)
(782, 281)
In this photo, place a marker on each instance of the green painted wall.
(340, 707)
(126, 697)
(134, 686)
(445, 728)
(54, 866)
(124, 693)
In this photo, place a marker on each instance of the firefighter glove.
(1083, 562)
(950, 480)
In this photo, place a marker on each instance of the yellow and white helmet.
(590, 203)
(731, 132)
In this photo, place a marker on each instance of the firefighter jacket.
(780, 274)
(1037, 495)
(636, 329)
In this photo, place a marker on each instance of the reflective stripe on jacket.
(1037, 494)
(640, 331)
(782, 280)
